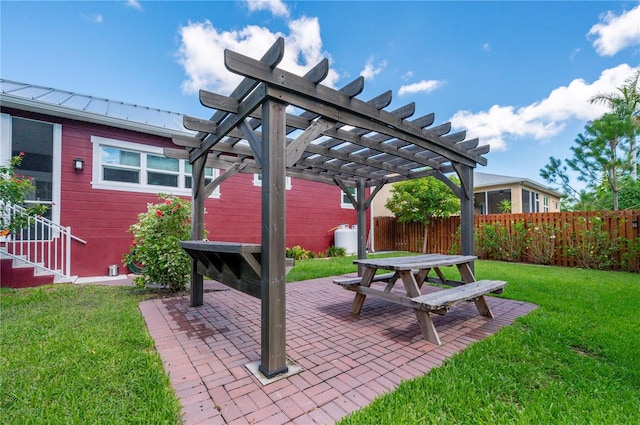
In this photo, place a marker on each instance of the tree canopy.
(420, 200)
(604, 156)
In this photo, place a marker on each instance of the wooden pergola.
(333, 138)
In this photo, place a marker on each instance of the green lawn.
(574, 360)
(82, 354)
(336, 266)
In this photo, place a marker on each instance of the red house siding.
(102, 217)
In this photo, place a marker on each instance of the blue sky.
(518, 75)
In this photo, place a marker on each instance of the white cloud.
(276, 7)
(426, 86)
(370, 71)
(486, 47)
(407, 76)
(616, 33)
(95, 19)
(543, 119)
(202, 52)
(574, 53)
(134, 4)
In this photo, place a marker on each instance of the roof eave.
(522, 182)
(9, 101)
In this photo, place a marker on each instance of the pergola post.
(273, 332)
(361, 207)
(197, 228)
(466, 209)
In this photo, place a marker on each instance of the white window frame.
(6, 135)
(98, 181)
(545, 203)
(257, 181)
(345, 202)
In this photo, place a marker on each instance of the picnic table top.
(426, 261)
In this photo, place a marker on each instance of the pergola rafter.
(336, 138)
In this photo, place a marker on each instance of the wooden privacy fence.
(593, 239)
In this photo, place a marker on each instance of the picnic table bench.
(413, 272)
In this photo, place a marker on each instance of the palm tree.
(626, 103)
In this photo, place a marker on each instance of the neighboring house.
(526, 195)
(98, 162)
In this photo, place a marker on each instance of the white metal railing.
(41, 243)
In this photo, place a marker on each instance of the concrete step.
(21, 277)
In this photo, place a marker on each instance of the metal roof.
(82, 107)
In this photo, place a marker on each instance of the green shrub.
(631, 255)
(591, 245)
(541, 242)
(498, 242)
(156, 243)
(14, 189)
(588, 242)
(298, 253)
(336, 251)
(456, 246)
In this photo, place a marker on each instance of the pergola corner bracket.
(254, 142)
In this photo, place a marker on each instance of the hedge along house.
(334, 138)
(98, 162)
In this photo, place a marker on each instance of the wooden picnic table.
(413, 271)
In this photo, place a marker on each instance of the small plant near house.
(298, 253)
(505, 206)
(336, 251)
(156, 243)
(14, 189)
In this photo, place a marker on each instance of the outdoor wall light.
(78, 164)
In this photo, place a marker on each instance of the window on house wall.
(530, 201)
(135, 167)
(494, 197)
(526, 201)
(162, 171)
(41, 143)
(188, 177)
(545, 203)
(345, 201)
(257, 181)
(480, 202)
(119, 165)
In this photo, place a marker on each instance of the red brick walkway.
(347, 361)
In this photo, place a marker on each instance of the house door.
(39, 142)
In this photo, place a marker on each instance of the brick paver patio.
(346, 361)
